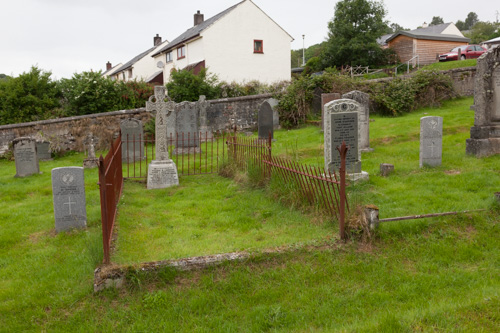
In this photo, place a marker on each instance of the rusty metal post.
(343, 153)
(104, 210)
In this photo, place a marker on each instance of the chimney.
(198, 18)
(108, 66)
(425, 25)
(157, 40)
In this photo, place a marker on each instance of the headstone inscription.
(132, 140)
(43, 151)
(327, 98)
(162, 172)
(364, 118)
(265, 121)
(25, 156)
(485, 134)
(431, 141)
(68, 190)
(186, 123)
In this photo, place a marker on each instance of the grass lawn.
(439, 274)
(446, 65)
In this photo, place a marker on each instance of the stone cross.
(164, 108)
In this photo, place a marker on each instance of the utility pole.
(303, 51)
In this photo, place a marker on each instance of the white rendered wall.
(452, 30)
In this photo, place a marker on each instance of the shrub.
(184, 85)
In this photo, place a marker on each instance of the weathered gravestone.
(341, 124)
(316, 102)
(43, 151)
(162, 172)
(364, 118)
(205, 130)
(485, 135)
(327, 98)
(25, 156)
(132, 140)
(431, 141)
(91, 161)
(68, 190)
(266, 121)
(186, 126)
(276, 116)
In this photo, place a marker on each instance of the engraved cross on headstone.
(69, 203)
(164, 108)
(432, 146)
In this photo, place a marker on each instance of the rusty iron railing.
(244, 151)
(110, 186)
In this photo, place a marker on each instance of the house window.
(258, 46)
(181, 52)
(123, 76)
(130, 73)
(169, 56)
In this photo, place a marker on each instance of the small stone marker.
(133, 148)
(162, 172)
(266, 121)
(386, 169)
(25, 156)
(91, 161)
(68, 190)
(43, 151)
(364, 118)
(186, 124)
(431, 141)
(327, 98)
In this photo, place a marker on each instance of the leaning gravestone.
(43, 151)
(327, 98)
(364, 117)
(341, 124)
(431, 141)
(485, 135)
(25, 156)
(68, 190)
(266, 121)
(186, 125)
(132, 140)
(162, 172)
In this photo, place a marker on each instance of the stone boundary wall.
(69, 133)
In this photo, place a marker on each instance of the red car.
(466, 51)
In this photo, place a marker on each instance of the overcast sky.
(68, 36)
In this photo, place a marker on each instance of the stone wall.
(69, 133)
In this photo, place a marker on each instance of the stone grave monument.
(186, 127)
(162, 172)
(68, 190)
(133, 149)
(91, 161)
(431, 141)
(276, 116)
(43, 151)
(485, 135)
(341, 124)
(205, 130)
(364, 118)
(25, 156)
(265, 120)
(326, 98)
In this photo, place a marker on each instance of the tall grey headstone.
(132, 140)
(25, 156)
(68, 190)
(265, 121)
(162, 172)
(364, 117)
(205, 130)
(485, 135)
(276, 116)
(186, 125)
(341, 124)
(43, 150)
(431, 141)
(327, 98)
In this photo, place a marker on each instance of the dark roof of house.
(382, 40)
(195, 31)
(433, 32)
(131, 62)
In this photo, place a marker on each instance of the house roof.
(492, 41)
(131, 62)
(112, 69)
(430, 36)
(432, 29)
(195, 31)
(382, 40)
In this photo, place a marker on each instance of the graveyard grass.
(439, 274)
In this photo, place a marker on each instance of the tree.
(353, 33)
(436, 20)
(184, 85)
(471, 20)
(460, 25)
(394, 27)
(481, 31)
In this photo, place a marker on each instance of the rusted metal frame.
(423, 216)
(325, 185)
(104, 210)
(309, 186)
(301, 179)
(322, 191)
(313, 183)
(333, 188)
(316, 177)
(293, 175)
(342, 171)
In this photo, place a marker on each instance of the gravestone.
(133, 147)
(162, 172)
(276, 116)
(68, 190)
(316, 102)
(386, 169)
(43, 151)
(91, 161)
(327, 98)
(266, 121)
(205, 130)
(186, 126)
(341, 124)
(485, 134)
(25, 156)
(364, 118)
(431, 141)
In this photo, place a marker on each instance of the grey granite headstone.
(327, 98)
(364, 117)
(68, 190)
(25, 156)
(162, 172)
(132, 140)
(202, 105)
(43, 151)
(266, 121)
(431, 141)
(485, 135)
(276, 116)
(186, 126)
(341, 124)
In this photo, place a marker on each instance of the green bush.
(135, 94)
(184, 85)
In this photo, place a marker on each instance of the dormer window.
(181, 52)
(258, 46)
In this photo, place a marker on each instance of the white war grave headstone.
(162, 172)
(431, 141)
(68, 190)
(25, 156)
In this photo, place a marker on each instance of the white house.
(141, 67)
(240, 44)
